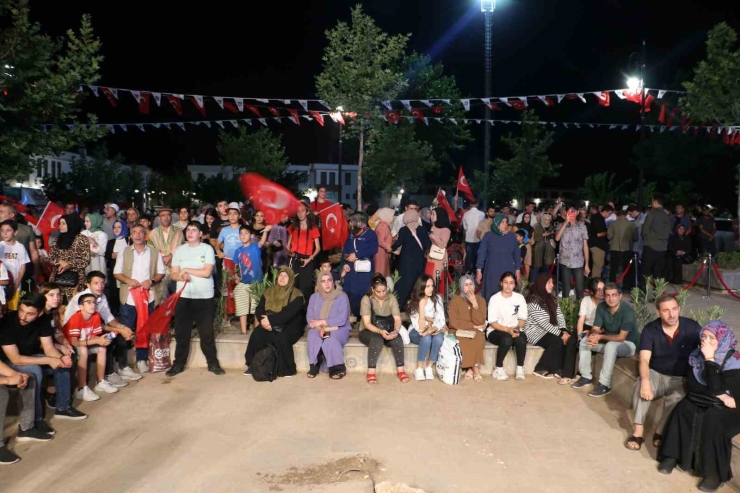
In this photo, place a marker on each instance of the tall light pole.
(339, 171)
(635, 84)
(487, 7)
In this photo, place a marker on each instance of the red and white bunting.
(198, 102)
(407, 104)
(219, 101)
(157, 97)
(239, 103)
(466, 104)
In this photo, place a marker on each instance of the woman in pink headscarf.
(384, 218)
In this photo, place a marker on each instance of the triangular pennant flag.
(239, 103)
(112, 128)
(207, 124)
(294, 115)
(157, 97)
(303, 103)
(625, 127)
(661, 94)
(447, 101)
(71, 127)
(465, 121)
(253, 109)
(661, 118)
(273, 110)
(524, 101)
(155, 125)
(620, 94)
(418, 113)
(565, 125)
(505, 101)
(286, 101)
(438, 119)
(478, 122)
(427, 102)
(409, 119)
(577, 125)
(321, 101)
(612, 127)
(220, 123)
(176, 103)
(581, 96)
(263, 100)
(603, 98)
(230, 107)
(466, 104)
(662, 129)
(111, 94)
(407, 104)
(517, 104)
(438, 110)
(262, 121)
(198, 102)
(388, 105)
(234, 123)
(167, 126)
(319, 117)
(144, 103)
(560, 97)
(181, 125)
(220, 101)
(136, 95)
(670, 118)
(248, 121)
(279, 119)
(311, 119)
(124, 128)
(141, 126)
(94, 89)
(543, 99)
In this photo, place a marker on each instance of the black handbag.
(67, 279)
(386, 323)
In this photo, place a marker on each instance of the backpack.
(265, 365)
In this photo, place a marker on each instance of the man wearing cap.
(228, 242)
(111, 216)
(165, 238)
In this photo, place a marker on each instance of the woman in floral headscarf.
(498, 253)
(698, 434)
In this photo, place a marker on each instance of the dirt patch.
(340, 470)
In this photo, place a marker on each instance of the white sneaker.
(115, 380)
(419, 374)
(129, 374)
(142, 366)
(104, 386)
(429, 373)
(520, 373)
(226, 324)
(500, 374)
(87, 395)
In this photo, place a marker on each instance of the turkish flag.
(141, 303)
(253, 109)
(661, 118)
(144, 103)
(670, 118)
(198, 102)
(517, 104)
(159, 320)
(269, 197)
(392, 116)
(274, 111)
(334, 231)
(463, 186)
(635, 97)
(111, 97)
(49, 220)
(230, 107)
(318, 116)
(438, 110)
(442, 201)
(176, 103)
(604, 99)
(418, 113)
(294, 114)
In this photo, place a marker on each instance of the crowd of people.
(102, 272)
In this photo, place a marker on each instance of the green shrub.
(704, 315)
(727, 260)
(570, 307)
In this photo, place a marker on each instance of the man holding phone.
(574, 253)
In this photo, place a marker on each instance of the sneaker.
(7, 457)
(419, 374)
(174, 370)
(429, 373)
(248, 372)
(142, 366)
(70, 413)
(226, 324)
(116, 380)
(87, 395)
(33, 435)
(500, 374)
(600, 391)
(44, 427)
(520, 373)
(51, 401)
(543, 374)
(129, 374)
(216, 369)
(104, 386)
(582, 382)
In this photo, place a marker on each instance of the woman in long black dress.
(412, 261)
(679, 246)
(698, 434)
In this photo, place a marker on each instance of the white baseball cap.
(235, 206)
(113, 206)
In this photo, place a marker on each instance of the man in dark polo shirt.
(614, 334)
(665, 346)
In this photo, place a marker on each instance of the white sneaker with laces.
(500, 375)
(143, 366)
(129, 374)
(429, 373)
(87, 395)
(104, 386)
(520, 373)
(419, 374)
(115, 380)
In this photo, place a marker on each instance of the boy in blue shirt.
(247, 269)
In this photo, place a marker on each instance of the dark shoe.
(582, 382)
(667, 465)
(44, 427)
(710, 484)
(248, 372)
(174, 371)
(216, 369)
(51, 401)
(70, 413)
(32, 435)
(7, 457)
(600, 391)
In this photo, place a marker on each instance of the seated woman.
(468, 312)
(546, 328)
(507, 314)
(281, 322)
(698, 434)
(428, 325)
(329, 327)
(379, 326)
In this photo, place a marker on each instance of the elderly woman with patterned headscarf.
(498, 253)
(281, 323)
(698, 434)
(468, 321)
(413, 243)
(329, 327)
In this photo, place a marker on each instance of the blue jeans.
(425, 344)
(62, 382)
(127, 316)
(611, 350)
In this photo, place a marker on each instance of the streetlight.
(487, 7)
(338, 112)
(638, 60)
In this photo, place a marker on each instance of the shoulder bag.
(386, 323)
(437, 253)
(361, 265)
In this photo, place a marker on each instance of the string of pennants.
(239, 104)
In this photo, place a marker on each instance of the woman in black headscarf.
(70, 255)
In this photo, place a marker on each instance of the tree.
(499, 191)
(396, 159)
(259, 152)
(38, 86)
(361, 69)
(212, 189)
(529, 163)
(600, 188)
(714, 93)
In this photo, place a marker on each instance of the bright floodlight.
(633, 83)
(402, 192)
(487, 5)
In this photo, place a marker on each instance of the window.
(38, 169)
(59, 168)
(323, 181)
(333, 178)
(53, 169)
(347, 196)
(348, 178)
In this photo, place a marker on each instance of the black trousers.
(201, 311)
(558, 357)
(304, 276)
(117, 352)
(505, 341)
(375, 343)
(653, 264)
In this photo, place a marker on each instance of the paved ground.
(198, 432)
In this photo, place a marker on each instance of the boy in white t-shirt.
(15, 257)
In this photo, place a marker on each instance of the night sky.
(273, 50)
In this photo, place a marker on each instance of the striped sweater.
(538, 323)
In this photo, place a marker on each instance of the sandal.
(566, 381)
(633, 439)
(372, 379)
(313, 370)
(403, 377)
(338, 376)
(478, 378)
(469, 375)
(657, 440)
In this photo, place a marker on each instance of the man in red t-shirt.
(84, 330)
(320, 203)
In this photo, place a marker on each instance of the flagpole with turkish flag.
(463, 185)
(334, 230)
(159, 320)
(443, 203)
(49, 221)
(274, 200)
